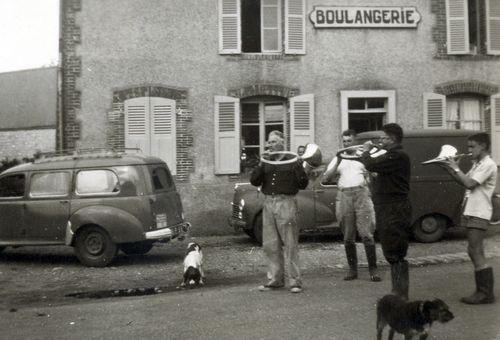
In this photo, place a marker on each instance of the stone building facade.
(200, 83)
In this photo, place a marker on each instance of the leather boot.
(371, 257)
(400, 278)
(352, 260)
(484, 288)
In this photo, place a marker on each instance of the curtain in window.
(452, 114)
(471, 116)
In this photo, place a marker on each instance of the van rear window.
(161, 179)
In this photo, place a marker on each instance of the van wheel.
(136, 248)
(94, 247)
(257, 229)
(429, 228)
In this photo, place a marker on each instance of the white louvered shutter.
(457, 26)
(229, 27)
(495, 128)
(301, 120)
(295, 27)
(434, 111)
(163, 134)
(493, 27)
(227, 135)
(137, 124)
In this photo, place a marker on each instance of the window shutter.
(229, 27)
(434, 111)
(301, 120)
(295, 27)
(163, 134)
(227, 135)
(493, 27)
(137, 124)
(495, 127)
(457, 26)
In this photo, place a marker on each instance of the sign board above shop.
(364, 17)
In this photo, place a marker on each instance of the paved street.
(35, 282)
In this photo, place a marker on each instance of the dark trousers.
(393, 227)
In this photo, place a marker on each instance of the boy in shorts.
(480, 182)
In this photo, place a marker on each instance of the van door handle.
(320, 191)
(64, 201)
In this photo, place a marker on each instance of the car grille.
(236, 210)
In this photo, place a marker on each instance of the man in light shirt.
(354, 209)
(480, 182)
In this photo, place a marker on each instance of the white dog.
(193, 266)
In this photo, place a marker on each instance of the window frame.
(389, 95)
(99, 194)
(279, 27)
(460, 100)
(68, 180)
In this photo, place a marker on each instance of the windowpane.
(361, 122)
(270, 17)
(50, 184)
(356, 103)
(96, 182)
(12, 186)
(250, 113)
(250, 26)
(274, 112)
(161, 179)
(271, 127)
(271, 39)
(376, 103)
(250, 135)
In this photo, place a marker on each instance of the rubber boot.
(400, 278)
(371, 257)
(352, 260)
(484, 288)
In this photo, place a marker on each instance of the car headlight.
(242, 203)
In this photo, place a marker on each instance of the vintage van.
(436, 198)
(96, 201)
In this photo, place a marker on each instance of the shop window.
(242, 127)
(366, 110)
(260, 26)
(472, 24)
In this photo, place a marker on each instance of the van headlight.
(240, 210)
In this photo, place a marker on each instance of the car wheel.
(136, 248)
(257, 229)
(94, 247)
(430, 228)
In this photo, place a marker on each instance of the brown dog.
(410, 318)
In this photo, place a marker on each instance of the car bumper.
(236, 223)
(178, 230)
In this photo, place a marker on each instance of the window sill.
(262, 56)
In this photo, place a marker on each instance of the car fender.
(120, 225)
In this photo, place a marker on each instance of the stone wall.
(24, 143)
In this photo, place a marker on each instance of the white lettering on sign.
(333, 17)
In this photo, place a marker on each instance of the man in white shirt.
(354, 209)
(480, 182)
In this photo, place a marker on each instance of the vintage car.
(436, 198)
(96, 201)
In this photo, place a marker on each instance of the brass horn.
(355, 151)
(447, 152)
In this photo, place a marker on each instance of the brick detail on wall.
(263, 90)
(71, 67)
(184, 135)
(466, 86)
(438, 8)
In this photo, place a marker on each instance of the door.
(12, 190)
(324, 202)
(47, 210)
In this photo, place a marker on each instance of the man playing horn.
(280, 179)
(354, 209)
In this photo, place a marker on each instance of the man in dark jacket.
(280, 179)
(392, 206)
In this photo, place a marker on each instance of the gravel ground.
(34, 275)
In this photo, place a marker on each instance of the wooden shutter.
(457, 26)
(163, 134)
(229, 27)
(493, 27)
(295, 27)
(137, 124)
(227, 135)
(434, 111)
(301, 120)
(495, 127)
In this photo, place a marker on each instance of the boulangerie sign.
(364, 17)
